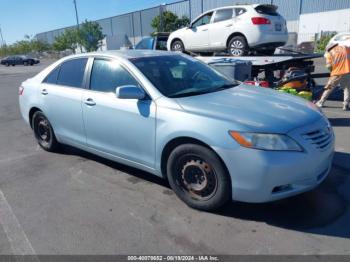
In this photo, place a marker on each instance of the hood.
(254, 109)
(177, 32)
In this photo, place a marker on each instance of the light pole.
(77, 18)
(2, 38)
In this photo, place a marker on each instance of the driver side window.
(204, 20)
(107, 75)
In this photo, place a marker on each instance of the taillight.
(21, 90)
(261, 21)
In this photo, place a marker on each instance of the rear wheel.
(43, 132)
(238, 46)
(177, 46)
(198, 177)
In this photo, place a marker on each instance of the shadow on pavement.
(315, 212)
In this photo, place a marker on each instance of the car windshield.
(180, 76)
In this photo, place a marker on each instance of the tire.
(7, 64)
(44, 133)
(13, 64)
(177, 46)
(25, 63)
(198, 177)
(238, 46)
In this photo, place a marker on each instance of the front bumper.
(261, 176)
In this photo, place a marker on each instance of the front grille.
(321, 138)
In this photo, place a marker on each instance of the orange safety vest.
(339, 59)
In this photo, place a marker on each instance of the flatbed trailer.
(268, 65)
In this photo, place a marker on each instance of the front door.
(197, 36)
(124, 128)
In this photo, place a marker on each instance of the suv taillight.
(21, 90)
(261, 21)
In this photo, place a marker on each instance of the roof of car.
(128, 54)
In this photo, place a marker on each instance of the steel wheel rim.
(196, 177)
(43, 131)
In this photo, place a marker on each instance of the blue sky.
(21, 17)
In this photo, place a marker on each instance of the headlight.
(263, 141)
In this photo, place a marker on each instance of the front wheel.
(198, 177)
(177, 46)
(238, 46)
(44, 133)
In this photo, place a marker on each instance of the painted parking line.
(17, 238)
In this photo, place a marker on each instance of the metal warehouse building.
(304, 17)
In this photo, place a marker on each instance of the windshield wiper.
(227, 86)
(192, 93)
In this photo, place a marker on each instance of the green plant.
(67, 40)
(90, 35)
(168, 22)
(322, 42)
(25, 46)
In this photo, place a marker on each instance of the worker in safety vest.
(338, 62)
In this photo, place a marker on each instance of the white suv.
(239, 30)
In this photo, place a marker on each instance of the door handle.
(228, 25)
(90, 102)
(205, 29)
(44, 92)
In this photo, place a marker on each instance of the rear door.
(221, 27)
(61, 94)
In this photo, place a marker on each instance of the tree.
(168, 22)
(323, 42)
(68, 40)
(90, 36)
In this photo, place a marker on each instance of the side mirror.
(130, 92)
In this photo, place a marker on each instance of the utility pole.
(76, 13)
(77, 18)
(2, 38)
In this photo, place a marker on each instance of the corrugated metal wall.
(179, 8)
(138, 24)
(288, 9)
(314, 6)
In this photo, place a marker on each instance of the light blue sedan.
(177, 118)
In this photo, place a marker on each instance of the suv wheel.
(43, 132)
(198, 177)
(238, 46)
(177, 46)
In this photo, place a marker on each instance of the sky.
(29, 17)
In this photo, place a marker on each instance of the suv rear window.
(267, 10)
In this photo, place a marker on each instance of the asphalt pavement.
(73, 202)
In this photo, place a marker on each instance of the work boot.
(345, 107)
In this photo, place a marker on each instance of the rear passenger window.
(240, 11)
(72, 72)
(222, 15)
(107, 75)
(52, 77)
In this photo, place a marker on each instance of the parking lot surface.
(73, 202)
